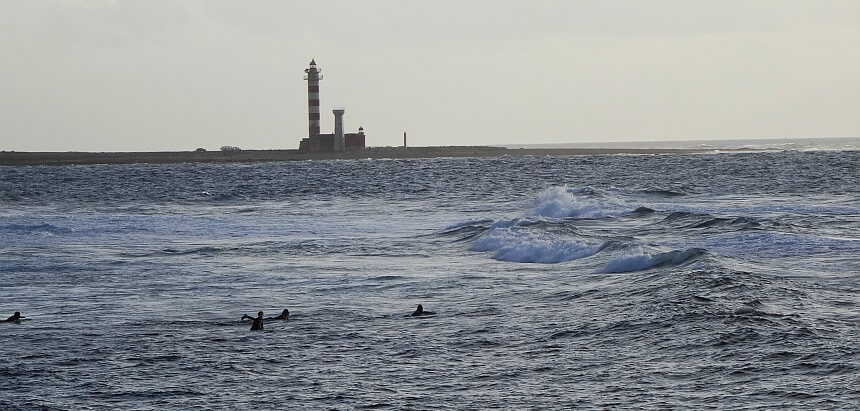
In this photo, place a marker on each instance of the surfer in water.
(283, 316)
(257, 325)
(15, 318)
(420, 311)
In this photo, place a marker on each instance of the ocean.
(691, 281)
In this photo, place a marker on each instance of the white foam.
(583, 202)
(524, 240)
(512, 242)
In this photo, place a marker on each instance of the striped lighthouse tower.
(313, 77)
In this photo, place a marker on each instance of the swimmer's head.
(259, 314)
(286, 312)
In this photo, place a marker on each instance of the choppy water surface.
(689, 281)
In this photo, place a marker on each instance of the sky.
(168, 75)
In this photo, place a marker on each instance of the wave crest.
(582, 202)
(516, 243)
(647, 261)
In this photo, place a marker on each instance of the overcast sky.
(157, 75)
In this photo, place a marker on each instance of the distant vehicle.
(200, 150)
(230, 148)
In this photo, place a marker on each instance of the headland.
(21, 158)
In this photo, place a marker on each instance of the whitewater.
(696, 281)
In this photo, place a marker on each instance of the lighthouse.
(313, 76)
(339, 141)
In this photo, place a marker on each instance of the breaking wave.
(583, 202)
(548, 233)
(647, 261)
(513, 242)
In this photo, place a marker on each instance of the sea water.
(720, 280)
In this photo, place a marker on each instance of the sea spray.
(582, 202)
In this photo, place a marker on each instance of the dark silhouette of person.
(15, 318)
(420, 311)
(283, 316)
(257, 325)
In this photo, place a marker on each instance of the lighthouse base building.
(337, 141)
(326, 142)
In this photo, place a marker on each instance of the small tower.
(339, 141)
(313, 77)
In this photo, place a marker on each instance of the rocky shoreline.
(13, 158)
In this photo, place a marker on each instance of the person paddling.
(15, 318)
(257, 325)
(420, 311)
(283, 316)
